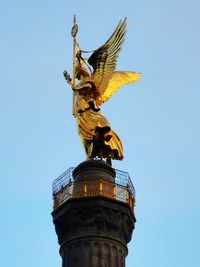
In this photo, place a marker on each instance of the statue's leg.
(88, 145)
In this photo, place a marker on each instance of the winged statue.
(94, 87)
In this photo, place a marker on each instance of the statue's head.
(81, 71)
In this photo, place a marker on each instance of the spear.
(73, 33)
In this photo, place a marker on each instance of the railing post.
(85, 188)
(100, 187)
(114, 191)
(70, 186)
(131, 202)
(55, 202)
(62, 195)
(127, 196)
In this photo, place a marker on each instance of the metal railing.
(65, 188)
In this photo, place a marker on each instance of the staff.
(73, 33)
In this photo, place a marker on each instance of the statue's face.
(78, 75)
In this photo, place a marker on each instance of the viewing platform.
(70, 186)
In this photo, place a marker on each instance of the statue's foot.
(89, 158)
(109, 161)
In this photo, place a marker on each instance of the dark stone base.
(94, 169)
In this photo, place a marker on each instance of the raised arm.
(68, 78)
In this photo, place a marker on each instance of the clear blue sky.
(157, 120)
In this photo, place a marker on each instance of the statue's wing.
(103, 60)
(117, 79)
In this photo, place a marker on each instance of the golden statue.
(94, 88)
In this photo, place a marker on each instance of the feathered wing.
(103, 60)
(118, 79)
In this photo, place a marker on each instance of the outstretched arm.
(68, 78)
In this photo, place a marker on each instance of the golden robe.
(93, 128)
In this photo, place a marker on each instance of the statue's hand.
(67, 77)
(93, 106)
